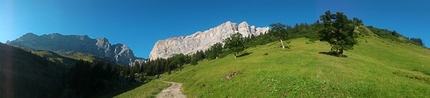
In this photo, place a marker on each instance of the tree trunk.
(235, 54)
(340, 52)
(282, 42)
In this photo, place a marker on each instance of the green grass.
(375, 68)
(67, 59)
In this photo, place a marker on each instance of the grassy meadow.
(375, 68)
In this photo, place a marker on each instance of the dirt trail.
(173, 91)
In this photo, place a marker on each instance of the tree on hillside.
(194, 61)
(338, 32)
(199, 55)
(178, 60)
(417, 41)
(357, 21)
(214, 51)
(136, 67)
(234, 43)
(394, 33)
(279, 30)
(107, 70)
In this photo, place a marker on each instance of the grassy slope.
(377, 67)
(41, 72)
(25, 75)
(66, 59)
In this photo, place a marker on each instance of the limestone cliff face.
(202, 40)
(101, 47)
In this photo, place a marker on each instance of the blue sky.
(140, 23)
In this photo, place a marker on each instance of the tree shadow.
(244, 54)
(110, 93)
(332, 53)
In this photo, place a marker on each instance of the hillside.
(25, 75)
(377, 67)
(31, 73)
(65, 59)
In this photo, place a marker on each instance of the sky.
(141, 23)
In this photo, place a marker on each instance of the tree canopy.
(235, 43)
(279, 30)
(214, 51)
(178, 60)
(338, 31)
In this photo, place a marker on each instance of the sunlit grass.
(303, 72)
(375, 68)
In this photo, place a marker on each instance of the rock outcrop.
(202, 40)
(101, 47)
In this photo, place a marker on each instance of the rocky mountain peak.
(202, 40)
(29, 35)
(243, 24)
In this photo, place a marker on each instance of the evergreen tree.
(417, 41)
(136, 67)
(357, 21)
(194, 61)
(107, 70)
(214, 51)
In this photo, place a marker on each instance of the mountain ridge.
(119, 53)
(202, 40)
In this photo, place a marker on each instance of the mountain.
(202, 40)
(119, 53)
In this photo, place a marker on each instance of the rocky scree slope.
(202, 40)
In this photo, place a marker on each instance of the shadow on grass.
(332, 53)
(110, 93)
(244, 54)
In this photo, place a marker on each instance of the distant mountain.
(202, 40)
(119, 53)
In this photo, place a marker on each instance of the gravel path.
(173, 91)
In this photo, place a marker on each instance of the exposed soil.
(173, 91)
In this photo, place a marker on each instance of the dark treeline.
(88, 78)
(395, 36)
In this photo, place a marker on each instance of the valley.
(332, 56)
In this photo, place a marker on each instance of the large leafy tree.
(338, 32)
(279, 31)
(214, 51)
(235, 43)
(178, 60)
